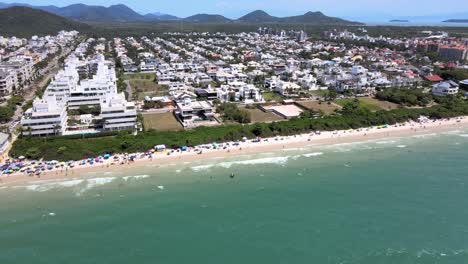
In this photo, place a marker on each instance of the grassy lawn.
(143, 84)
(271, 96)
(320, 93)
(371, 103)
(161, 122)
(324, 106)
(258, 115)
(385, 105)
(140, 76)
(142, 88)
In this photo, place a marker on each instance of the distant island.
(399, 21)
(456, 21)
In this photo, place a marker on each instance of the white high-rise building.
(117, 113)
(92, 91)
(64, 81)
(67, 91)
(46, 117)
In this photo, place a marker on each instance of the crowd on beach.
(38, 168)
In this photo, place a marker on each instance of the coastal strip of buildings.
(68, 91)
(19, 56)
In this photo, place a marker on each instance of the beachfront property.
(189, 73)
(286, 111)
(193, 113)
(90, 92)
(46, 117)
(68, 92)
(117, 113)
(63, 82)
(445, 88)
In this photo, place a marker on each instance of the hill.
(25, 21)
(160, 17)
(81, 12)
(317, 18)
(122, 13)
(207, 18)
(258, 16)
(456, 21)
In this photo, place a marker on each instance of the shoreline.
(265, 145)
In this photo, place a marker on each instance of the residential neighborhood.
(179, 81)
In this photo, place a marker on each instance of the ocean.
(396, 200)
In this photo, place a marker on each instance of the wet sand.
(265, 145)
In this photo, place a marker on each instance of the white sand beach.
(122, 162)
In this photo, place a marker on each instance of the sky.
(237, 8)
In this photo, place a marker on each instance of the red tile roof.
(433, 78)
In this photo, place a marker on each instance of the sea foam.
(229, 164)
(46, 186)
(135, 177)
(270, 160)
(94, 182)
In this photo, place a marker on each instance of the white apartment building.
(46, 117)
(91, 91)
(7, 82)
(23, 69)
(117, 113)
(63, 82)
(67, 91)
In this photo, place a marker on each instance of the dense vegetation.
(408, 97)
(25, 21)
(231, 112)
(353, 115)
(454, 74)
(7, 111)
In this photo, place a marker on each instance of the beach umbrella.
(21, 157)
(107, 155)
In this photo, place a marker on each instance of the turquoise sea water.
(388, 201)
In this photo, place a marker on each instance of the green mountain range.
(26, 21)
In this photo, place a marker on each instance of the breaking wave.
(135, 177)
(272, 160)
(94, 182)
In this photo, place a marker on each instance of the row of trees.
(407, 97)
